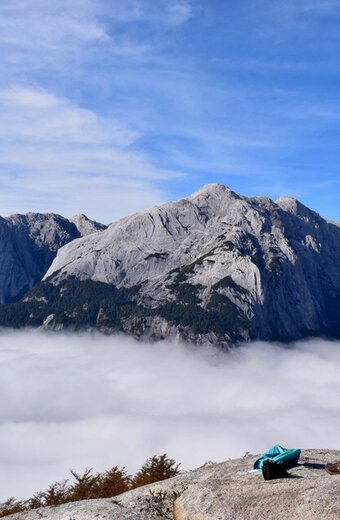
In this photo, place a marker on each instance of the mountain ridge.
(29, 244)
(214, 267)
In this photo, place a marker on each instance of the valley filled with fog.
(88, 400)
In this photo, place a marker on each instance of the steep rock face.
(86, 226)
(29, 244)
(213, 267)
(224, 491)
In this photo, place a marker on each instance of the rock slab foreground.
(219, 491)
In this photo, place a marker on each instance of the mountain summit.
(213, 267)
(29, 243)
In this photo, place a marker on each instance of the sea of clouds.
(88, 400)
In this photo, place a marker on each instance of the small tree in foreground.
(85, 486)
(56, 494)
(99, 485)
(10, 507)
(158, 467)
(37, 500)
(113, 483)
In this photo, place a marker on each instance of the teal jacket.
(287, 458)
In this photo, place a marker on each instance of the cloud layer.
(72, 401)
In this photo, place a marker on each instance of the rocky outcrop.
(86, 226)
(29, 244)
(230, 493)
(224, 491)
(214, 267)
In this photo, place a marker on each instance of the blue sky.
(108, 107)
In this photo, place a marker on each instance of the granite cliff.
(29, 244)
(214, 267)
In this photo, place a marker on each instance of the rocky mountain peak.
(212, 189)
(296, 208)
(214, 199)
(85, 225)
(214, 267)
(334, 222)
(29, 243)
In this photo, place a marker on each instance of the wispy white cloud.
(38, 24)
(164, 12)
(224, 107)
(73, 401)
(54, 150)
(53, 144)
(38, 116)
(317, 7)
(38, 36)
(179, 12)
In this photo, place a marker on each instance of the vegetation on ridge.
(89, 485)
(81, 304)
